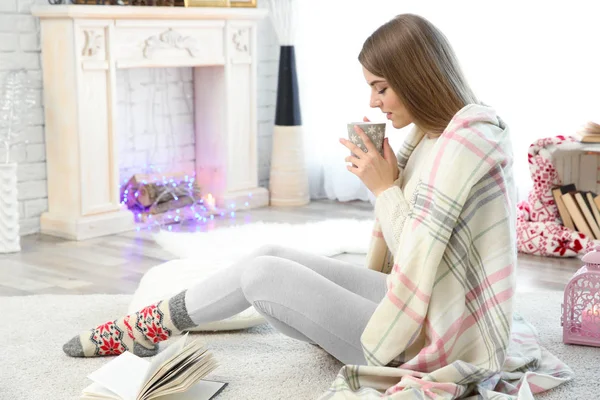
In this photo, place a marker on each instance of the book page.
(165, 355)
(185, 377)
(197, 376)
(95, 391)
(175, 369)
(123, 375)
(165, 365)
(189, 382)
(164, 375)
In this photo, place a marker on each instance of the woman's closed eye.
(382, 91)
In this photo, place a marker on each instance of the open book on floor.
(173, 374)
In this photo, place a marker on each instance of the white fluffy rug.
(329, 237)
(258, 363)
(204, 253)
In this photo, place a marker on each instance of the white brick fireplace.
(83, 46)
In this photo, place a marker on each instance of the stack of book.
(578, 210)
(588, 133)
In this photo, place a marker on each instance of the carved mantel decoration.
(84, 46)
(240, 40)
(171, 39)
(93, 43)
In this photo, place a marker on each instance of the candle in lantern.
(581, 307)
(590, 320)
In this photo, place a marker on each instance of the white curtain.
(537, 63)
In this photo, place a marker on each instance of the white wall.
(19, 48)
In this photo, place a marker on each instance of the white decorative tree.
(16, 101)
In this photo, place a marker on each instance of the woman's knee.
(274, 250)
(261, 275)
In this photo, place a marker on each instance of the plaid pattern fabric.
(445, 327)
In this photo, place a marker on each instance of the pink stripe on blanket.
(497, 173)
(404, 307)
(527, 380)
(469, 145)
(536, 389)
(492, 279)
(437, 347)
(452, 332)
(462, 140)
(524, 335)
(449, 388)
(377, 234)
(405, 280)
(489, 304)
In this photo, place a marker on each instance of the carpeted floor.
(258, 363)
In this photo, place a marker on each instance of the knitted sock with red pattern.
(138, 333)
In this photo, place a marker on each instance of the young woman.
(436, 296)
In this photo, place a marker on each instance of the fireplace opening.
(157, 161)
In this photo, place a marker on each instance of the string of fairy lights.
(199, 211)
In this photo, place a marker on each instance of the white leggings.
(313, 298)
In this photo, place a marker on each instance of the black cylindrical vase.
(287, 112)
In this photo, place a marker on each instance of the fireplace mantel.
(82, 48)
(152, 13)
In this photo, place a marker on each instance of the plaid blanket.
(446, 329)
(539, 229)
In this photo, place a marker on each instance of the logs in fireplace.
(156, 195)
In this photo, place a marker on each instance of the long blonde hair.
(417, 61)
